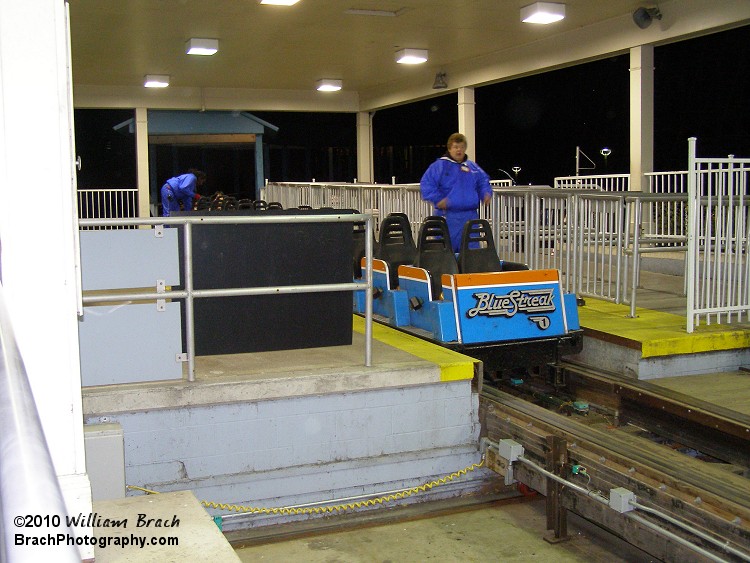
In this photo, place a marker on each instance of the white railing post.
(692, 253)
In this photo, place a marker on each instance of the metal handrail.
(29, 489)
(189, 294)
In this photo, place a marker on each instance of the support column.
(141, 159)
(466, 119)
(364, 147)
(260, 180)
(641, 115)
(39, 274)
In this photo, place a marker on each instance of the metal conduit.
(604, 500)
(700, 534)
(28, 482)
(189, 294)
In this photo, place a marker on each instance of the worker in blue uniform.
(180, 191)
(455, 186)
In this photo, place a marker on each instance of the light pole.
(516, 170)
(605, 152)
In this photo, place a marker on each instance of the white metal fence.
(116, 203)
(605, 183)
(718, 270)
(591, 228)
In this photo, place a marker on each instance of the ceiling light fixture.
(329, 85)
(195, 46)
(543, 12)
(156, 81)
(278, 2)
(411, 56)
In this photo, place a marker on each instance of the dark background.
(702, 89)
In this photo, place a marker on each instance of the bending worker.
(180, 191)
(455, 185)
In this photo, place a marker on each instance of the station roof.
(271, 57)
(166, 122)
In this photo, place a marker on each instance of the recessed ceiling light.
(278, 2)
(543, 12)
(411, 56)
(156, 81)
(329, 85)
(195, 46)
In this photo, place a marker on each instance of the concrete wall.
(303, 449)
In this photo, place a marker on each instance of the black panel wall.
(259, 255)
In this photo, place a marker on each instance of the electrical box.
(509, 449)
(620, 498)
(105, 460)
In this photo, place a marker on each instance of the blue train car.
(509, 317)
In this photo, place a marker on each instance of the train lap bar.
(520, 317)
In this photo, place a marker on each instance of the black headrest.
(396, 244)
(434, 252)
(478, 252)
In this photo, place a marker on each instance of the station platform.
(655, 343)
(398, 360)
(300, 427)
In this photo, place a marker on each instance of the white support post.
(364, 148)
(141, 159)
(467, 119)
(641, 114)
(35, 96)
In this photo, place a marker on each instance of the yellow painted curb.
(453, 365)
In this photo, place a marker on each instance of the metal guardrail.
(595, 231)
(601, 182)
(378, 199)
(579, 231)
(102, 203)
(718, 271)
(189, 293)
(649, 232)
(31, 502)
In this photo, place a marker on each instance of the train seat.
(396, 244)
(477, 253)
(434, 252)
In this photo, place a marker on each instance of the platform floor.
(398, 360)
(659, 327)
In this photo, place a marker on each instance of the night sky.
(702, 89)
